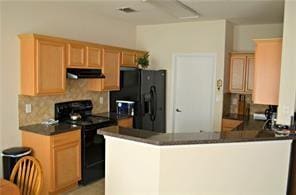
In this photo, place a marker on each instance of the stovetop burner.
(89, 120)
(84, 108)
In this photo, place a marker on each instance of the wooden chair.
(27, 175)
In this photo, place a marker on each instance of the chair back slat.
(22, 183)
(27, 175)
(30, 182)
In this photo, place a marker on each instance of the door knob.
(178, 110)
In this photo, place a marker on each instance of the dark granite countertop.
(113, 115)
(154, 138)
(49, 130)
(248, 121)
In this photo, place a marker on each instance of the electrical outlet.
(101, 100)
(28, 108)
(286, 110)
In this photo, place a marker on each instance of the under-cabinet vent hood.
(73, 73)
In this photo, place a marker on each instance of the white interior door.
(194, 89)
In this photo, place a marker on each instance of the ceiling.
(166, 11)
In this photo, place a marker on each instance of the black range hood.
(78, 73)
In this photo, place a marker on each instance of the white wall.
(1, 92)
(287, 96)
(228, 49)
(244, 35)
(191, 37)
(67, 20)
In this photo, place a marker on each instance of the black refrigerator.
(147, 88)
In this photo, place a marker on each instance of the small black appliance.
(270, 114)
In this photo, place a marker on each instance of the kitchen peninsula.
(237, 162)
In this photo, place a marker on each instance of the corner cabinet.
(267, 71)
(43, 65)
(241, 73)
(60, 159)
(111, 70)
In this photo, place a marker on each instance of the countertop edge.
(47, 133)
(190, 142)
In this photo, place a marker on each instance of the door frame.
(173, 83)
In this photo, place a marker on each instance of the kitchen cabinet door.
(51, 67)
(241, 73)
(267, 71)
(128, 59)
(237, 74)
(65, 173)
(43, 65)
(94, 57)
(250, 74)
(111, 70)
(76, 55)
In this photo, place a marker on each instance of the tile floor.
(96, 188)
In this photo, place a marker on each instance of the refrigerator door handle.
(153, 103)
(147, 104)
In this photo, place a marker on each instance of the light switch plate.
(101, 100)
(28, 108)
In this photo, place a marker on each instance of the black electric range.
(92, 144)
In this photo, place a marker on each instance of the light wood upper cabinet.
(250, 74)
(128, 59)
(94, 57)
(43, 65)
(60, 159)
(44, 61)
(76, 55)
(111, 70)
(241, 73)
(267, 71)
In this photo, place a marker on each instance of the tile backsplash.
(230, 104)
(43, 106)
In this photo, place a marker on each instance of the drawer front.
(65, 138)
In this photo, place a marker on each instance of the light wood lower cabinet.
(127, 122)
(60, 158)
(241, 73)
(43, 65)
(231, 125)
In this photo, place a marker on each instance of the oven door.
(93, 156)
